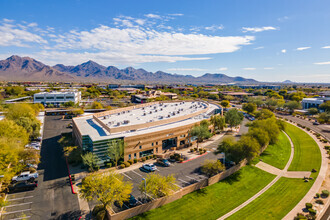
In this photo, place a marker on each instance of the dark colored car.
(132, 201)
(22, 186)
(163, 162)
(316, 123)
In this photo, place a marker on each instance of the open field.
(277, 154)
(277, 201)
(307, 155)
(216, 200)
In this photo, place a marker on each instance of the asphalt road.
(52, 199)
(321, 129)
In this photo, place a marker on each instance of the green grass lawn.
(276, 202)
(214, 201)
(307, 155)
(277, 154)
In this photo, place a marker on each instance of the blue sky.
(265, 40)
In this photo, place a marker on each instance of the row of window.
(143, 153)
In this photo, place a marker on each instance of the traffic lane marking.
(26, 197)
(12, 212)
(127, 176)
(19, 204)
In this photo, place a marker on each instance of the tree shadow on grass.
(235, 177)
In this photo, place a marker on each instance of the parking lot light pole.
(145, 187)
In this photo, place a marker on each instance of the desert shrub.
(327, 147)
(319, 201)
(309, 205)
(101, 215)
(181, 160)
(127, 164)
(97, 209)
(130, 162)
(317, 195)
(154, 156)
(312, 211)
(143, 159)
(317, 135)
(308, 129)
(108, 165)
(325, 193)
(32, 170)
(135, 160)
(122, 166)
(191, 150)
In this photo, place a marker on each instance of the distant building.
(57, 97)
(137, 86)
(148, 95)
(313, 102)
(237, 94)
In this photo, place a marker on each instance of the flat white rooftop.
(88, 126)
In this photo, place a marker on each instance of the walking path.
(279, 175)
(317, 184)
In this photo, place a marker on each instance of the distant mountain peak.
(26, 68)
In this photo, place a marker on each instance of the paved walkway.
(316, 186)
(279, 174)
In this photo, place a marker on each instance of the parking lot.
(19, 206)
(185, 173)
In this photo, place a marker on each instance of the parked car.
(316, 123)
(163, 162)
(22, 186)
(29, 165)
(35, 147)
(149, 167)
(25, 176)
(132, 201)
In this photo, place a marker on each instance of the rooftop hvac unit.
(150, 112)
(161, 109)
(126, 121)
(142, 108)
(144, 113)
(104, 117)
(118, 113)
(168, 116)
(118, 123)
(156, 110)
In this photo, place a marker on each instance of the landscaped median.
(214, 201)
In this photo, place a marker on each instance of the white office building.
(57, 97)
(313, 102)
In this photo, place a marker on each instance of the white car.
(149, 167)
(35, 147)
(25, 176)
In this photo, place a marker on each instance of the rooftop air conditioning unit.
(118, 123)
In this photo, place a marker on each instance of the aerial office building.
(57, 97)
(146, 129)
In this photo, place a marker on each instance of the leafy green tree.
(297, 96)
(325, 106)
(205, 123)
(249, 107)
(256, 100)
(158, 186)
(91, 161)
(68, 104)
(270, 126)
(264, 114)
(224, 103)
(96, 105)
(212, 167)
(292, 105)
(234, 117)
(260, 135)
(106, 189)
(200, 132)
(324, 117)
(249, 146)
(9, 129)
(218, 122)
(213, 96)
(116, 150)
(14, 90)
(313, 111)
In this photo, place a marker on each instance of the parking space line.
(20, 198)
(20, 218)
(7, 213)
(178, 185)
(126, 176)
(183, 181)
(192, 178)
(136, 173)
(18, 204)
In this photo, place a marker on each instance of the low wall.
(177, 195)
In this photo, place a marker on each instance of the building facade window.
(134, 155)
(140, 147)
(152, 144)
(129, 157)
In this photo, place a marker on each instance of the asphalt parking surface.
(52, 199)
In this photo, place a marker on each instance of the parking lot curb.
(70, 179)
(194, 158)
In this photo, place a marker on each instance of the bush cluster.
(325, 193)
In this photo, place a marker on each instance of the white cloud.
(258, 48)
(140, 21)
(326, 47)
(176, 14)
(144, 41)
(249, 68)
(257, 29)
(323, 63)
(8, 20)
(283, 51)
(33, 24)
(284, 18)
(303, 48)
(222, 69)
(153, 16)
(18, 35)
(268, 68)
(186, 69)
(214, 27)
(106, 58)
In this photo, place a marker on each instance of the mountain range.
(16, 68)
